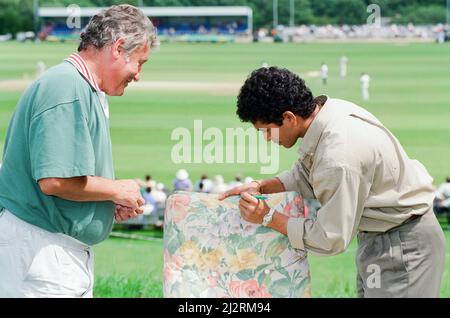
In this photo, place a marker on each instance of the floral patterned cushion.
(210, 251)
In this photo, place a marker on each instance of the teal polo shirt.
(58, 130)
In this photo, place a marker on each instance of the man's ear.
(117, 48)
(289, 118)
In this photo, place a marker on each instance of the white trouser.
(365, 93)
(38, 263)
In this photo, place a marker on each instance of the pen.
(260, 197)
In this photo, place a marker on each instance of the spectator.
(147, 182)
(182, 181)
(248, 180)
(255, 36)
(441, 36)
(444, 189)
(219, 185)
(164, 189)
(442, 200)
(159, 194)
(236, 182)
(204, 184)
(262, 33)
(150, 202)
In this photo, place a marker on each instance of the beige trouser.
(37, 263)
(406, 261)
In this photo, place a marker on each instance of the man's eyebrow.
(143, 61)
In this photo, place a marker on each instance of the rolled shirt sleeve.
(342, 192)
(60, 143)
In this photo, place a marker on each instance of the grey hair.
(119, 21)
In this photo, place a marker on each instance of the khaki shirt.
(360, 174)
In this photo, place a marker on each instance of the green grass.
(232, 62)
(126, 268)
(409, 94)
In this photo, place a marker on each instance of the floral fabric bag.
(210, 251)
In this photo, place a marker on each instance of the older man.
(58, 195)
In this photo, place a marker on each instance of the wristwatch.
(259, 184)
(268, 217)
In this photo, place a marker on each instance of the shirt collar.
(314, 132)
(76, 60)
(80, 64)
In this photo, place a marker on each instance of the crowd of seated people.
(155, 193)
(216, 185)
(441, 204)
(438, 32)
(184, 28)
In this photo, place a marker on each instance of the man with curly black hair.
(358, 171)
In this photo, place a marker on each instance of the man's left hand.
(124, 213)
(252, 210)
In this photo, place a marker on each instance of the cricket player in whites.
(365, 82)
(324, 73)
(343, 66)
(58, 194)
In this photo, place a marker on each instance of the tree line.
(17, 15)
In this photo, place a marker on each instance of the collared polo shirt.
(59, 129)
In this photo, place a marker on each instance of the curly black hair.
(269, 92)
